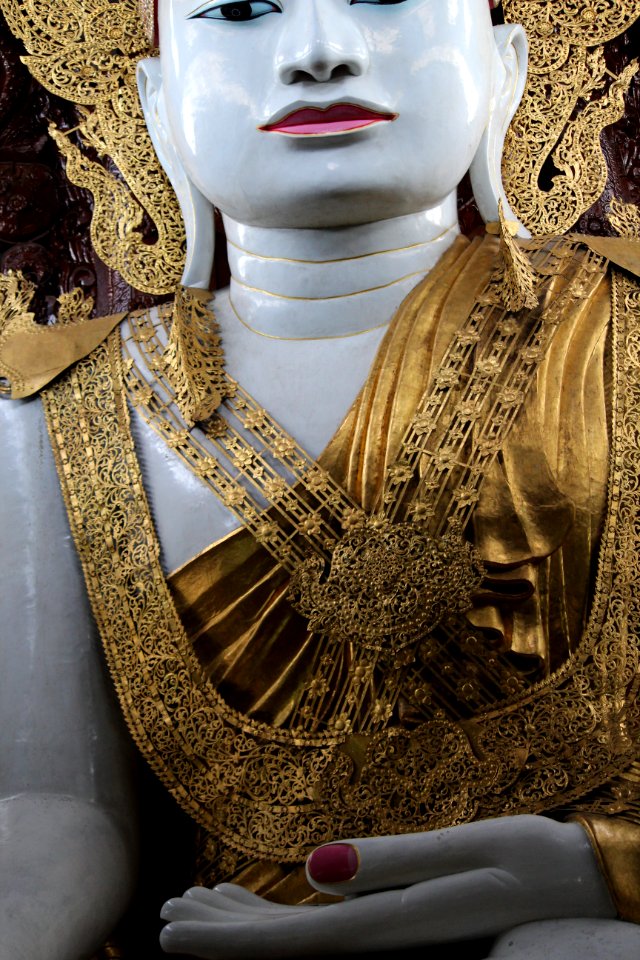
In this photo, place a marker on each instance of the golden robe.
(537, 525)
(210, 674)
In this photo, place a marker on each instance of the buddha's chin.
(274, 181)
(339, 207)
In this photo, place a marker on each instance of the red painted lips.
(327, 121)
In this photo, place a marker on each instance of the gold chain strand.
(490, 374)
(304, 499)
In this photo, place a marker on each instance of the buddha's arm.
(66, 836)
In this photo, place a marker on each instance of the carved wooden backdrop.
(620, 141)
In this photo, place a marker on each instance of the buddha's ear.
(196, 210)
(486, 169)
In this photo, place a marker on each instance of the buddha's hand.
(476, 880)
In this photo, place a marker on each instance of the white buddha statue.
(332, 135)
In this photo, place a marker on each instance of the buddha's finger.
(234, 898)
(187, 937)
(382, 863)
(203, 894)
(334, 929)
(187, 908)
(218, 899)
(233, 891)
(240, 896)
(212, 898)
(235, 941)
(478, 903)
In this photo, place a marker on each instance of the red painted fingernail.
(334, 863)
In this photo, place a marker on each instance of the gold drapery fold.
(542, 506)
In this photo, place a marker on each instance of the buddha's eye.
(236, 12)
(377, 3)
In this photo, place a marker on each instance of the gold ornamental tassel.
(194, 357)
(515, 281)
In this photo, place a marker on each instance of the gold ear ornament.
(515, 280)
(149, 17)
(87, 53)
(566, 55)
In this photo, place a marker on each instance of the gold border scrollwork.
(87, 52)
(566, 54)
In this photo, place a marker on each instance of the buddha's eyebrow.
(202, 6)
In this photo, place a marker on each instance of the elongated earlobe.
(197, 212)
(486, 169)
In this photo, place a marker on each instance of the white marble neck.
(317, 284)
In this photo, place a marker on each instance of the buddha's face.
(313, 113)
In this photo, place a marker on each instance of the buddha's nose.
(321, 41)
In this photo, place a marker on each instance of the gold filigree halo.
(86, 54)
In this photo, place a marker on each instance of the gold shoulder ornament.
(32, 354)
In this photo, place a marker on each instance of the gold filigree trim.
(625, 219)
(194, 358)
(238, 453)
(74, 307)
(29, 353)
(387, 586)
(16, 294)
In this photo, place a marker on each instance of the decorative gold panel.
(87, 53)
(565, 107)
